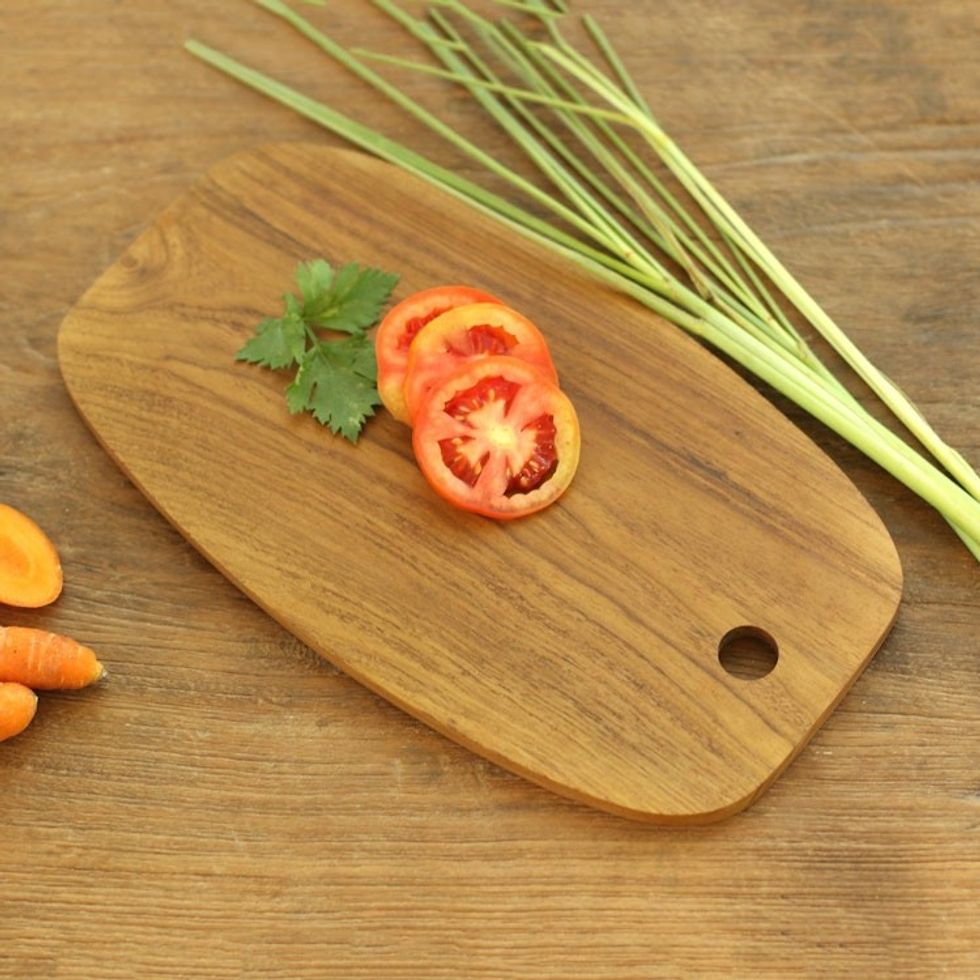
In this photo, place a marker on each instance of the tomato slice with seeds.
(497, 437)
(468, 332)
(399, 327)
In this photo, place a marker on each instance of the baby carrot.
(17, 707)
(30, 571)
(46, 661)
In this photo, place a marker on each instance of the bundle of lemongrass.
(620, 221)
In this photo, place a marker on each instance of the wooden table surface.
(227, 805)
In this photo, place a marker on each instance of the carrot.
(46, 661)
(30, 571)
(17, 707)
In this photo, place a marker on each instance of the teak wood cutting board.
(578, 647)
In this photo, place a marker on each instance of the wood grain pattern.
(228, 805)
(578, 647)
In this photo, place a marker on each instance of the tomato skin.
(497, 437)
(466, 332)
(398, 328)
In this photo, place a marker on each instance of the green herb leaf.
(336, 379)
(328, 385)
(360, 350)
(355, 299)
(314, 279)
(278, 343)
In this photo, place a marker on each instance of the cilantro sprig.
(336, 378)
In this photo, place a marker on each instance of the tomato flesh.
(543, 461)
(497, 437)
(413, 326)
(481, 338)
(466, 333)
(400, 326)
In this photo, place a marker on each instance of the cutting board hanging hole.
(748, 652)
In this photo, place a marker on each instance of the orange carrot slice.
(30, 571)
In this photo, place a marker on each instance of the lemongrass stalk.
(494, 38)
(611, 55)
(609, 52)
(907, 466)
(735, 229)
(767, 297)
(724, 215)
(850, 422)
(539, 10)
(541, 154)
(657, 228)
(592, 209)
(797, 384)
(492, 86)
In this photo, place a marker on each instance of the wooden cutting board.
(579, 647)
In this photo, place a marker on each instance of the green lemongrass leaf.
(847, 419)
(758, 305)
(616, 63)
(538, 9)
(802, 387)
(657, 230)
(598, 223)
(767, 297)
(733, 226)
(524, 94)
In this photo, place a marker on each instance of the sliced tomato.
(465, 333)
(398, 329)
(497, 437)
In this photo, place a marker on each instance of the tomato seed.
(457, 462)
(415, 324)
(484, 391)
(543, 461)
(484, 338)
